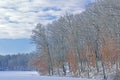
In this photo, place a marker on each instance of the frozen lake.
(18, 75)
(27, 75)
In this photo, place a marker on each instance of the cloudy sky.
(19, 17)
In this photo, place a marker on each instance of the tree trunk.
(104, 74)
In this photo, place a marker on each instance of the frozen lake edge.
(31, 75)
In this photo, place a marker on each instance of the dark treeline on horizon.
(17, 62)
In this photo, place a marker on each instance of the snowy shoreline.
(32, 75)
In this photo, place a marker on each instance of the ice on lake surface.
(18, 75)
(28, 75)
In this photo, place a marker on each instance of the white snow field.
(27, 75)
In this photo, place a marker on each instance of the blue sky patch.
(14, 46)
(51, 8)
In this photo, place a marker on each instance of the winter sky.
(19, 17)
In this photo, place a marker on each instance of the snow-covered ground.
(27, 75)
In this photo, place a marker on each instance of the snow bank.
(21, 75)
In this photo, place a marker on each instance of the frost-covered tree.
(89, 34)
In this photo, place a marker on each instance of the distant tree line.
(82, 44)
(18, 62)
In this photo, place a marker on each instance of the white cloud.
(18, 17)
